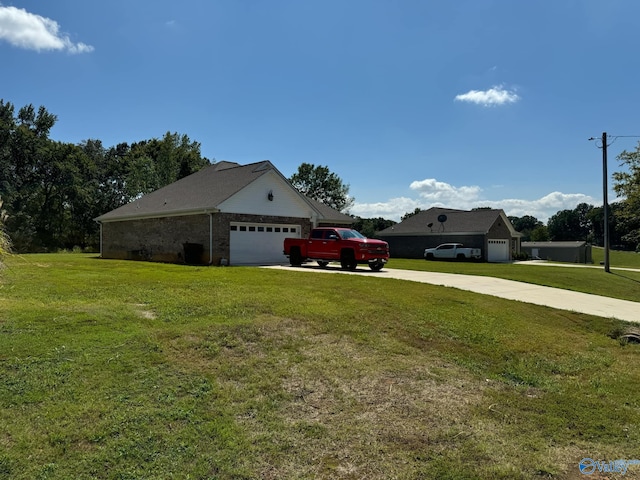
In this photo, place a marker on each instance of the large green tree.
(322, 185)
(158, 162)
(627, 186)
(565, 225)
(52, 191)
(526, 225)
(25, 164)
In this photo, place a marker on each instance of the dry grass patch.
(339, 407)
(314, 404)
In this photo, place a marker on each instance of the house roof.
(457, 221)
(568, 244)
(330, 214)
(203, 192)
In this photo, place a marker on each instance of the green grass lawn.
(593, 279)
(131, 370)
(616, 258)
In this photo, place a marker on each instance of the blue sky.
(412, 103)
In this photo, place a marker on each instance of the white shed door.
(259, 243)
(498, 251)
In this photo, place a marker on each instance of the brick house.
(487, 229)
(224, 214)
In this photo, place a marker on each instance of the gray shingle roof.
(330, 214)
(566, 244)
(458, 221)
(203, 190)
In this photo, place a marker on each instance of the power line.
(605, 201)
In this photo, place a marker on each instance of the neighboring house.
(489, 230)
(224, 214)
(571, 252)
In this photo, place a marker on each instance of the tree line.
(586, 222)
(583, 223)
(51, 191)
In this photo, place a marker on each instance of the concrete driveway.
(524, 292)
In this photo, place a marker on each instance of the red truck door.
(314, 244)
(332, 244)
(323, 245)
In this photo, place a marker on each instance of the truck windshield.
(351, 234)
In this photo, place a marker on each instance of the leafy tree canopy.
(627, 186)
(52, 191)
(410, 214)
(320, 184)
(369, 227)
(526, 225)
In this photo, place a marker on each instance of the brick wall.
(163, 239)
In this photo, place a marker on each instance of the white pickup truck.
(452, 251)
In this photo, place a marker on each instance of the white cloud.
(432, 190)
(392, 209)
(496, 95)
(34, 32)
(432, 193)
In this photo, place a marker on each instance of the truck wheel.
(461, 256)
(295, 258)
(323, 264)
(376, 266)
(429, 256)
(348, 260)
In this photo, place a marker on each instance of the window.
(261, 229)
(317, 233)
(285, 230)
(252, 229)
(293, 229)
(269, 229)
(234, 228)
(243, 228)
(277, 229)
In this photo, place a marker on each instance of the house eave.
(427, 234)
(174, 213)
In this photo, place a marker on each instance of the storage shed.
(570, 252)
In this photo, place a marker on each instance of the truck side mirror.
(333, 237)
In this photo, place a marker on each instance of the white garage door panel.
(498, 251)
(259, 243)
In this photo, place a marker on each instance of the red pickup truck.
(344, 245)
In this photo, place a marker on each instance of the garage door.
(259, 243)
(498, 251)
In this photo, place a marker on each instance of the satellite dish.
(429, 225)
(442, 218)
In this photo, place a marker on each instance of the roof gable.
(203, 191)
(457, 221)
(215, 188)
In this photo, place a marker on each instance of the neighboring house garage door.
(498, 251)
(259, 243)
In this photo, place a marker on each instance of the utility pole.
(606, 202)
